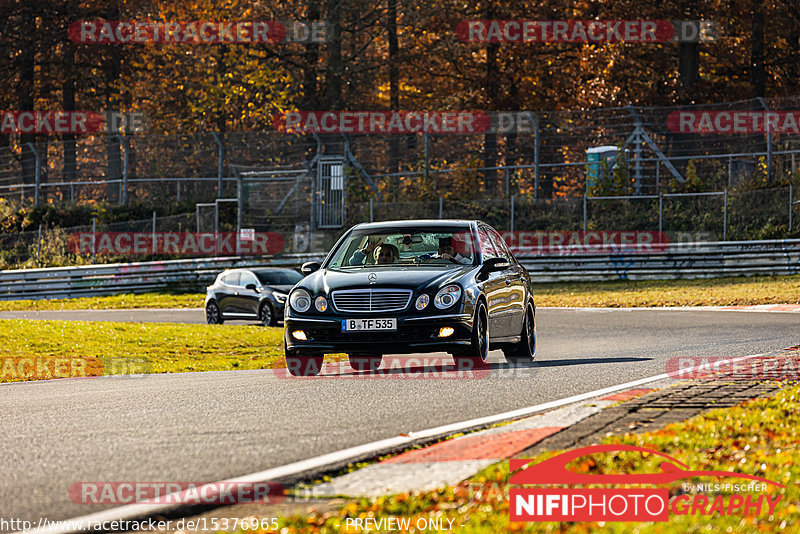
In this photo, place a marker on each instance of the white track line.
(131, 511)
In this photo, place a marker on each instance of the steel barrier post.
(440, 207)
(370, 210)
(660, 213)
(791, 203)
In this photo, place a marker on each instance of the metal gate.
(330, 192)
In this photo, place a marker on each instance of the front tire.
(365, 363)
(213, 315)
(478, 354)
(525, 350)
(302, 366)
(266, 314)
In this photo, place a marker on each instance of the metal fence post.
(154, 232)
(239, 213)
(584, 212)
(370, 211)
(725, 217)
(94, 238)
(660, 213)
(507, 177)
(427, 156)
(38, 244)
(216, 229)
(220, 162)
(512, 211)
(769, 141)
(72, 192)
(125, 158)
(38, 175)
(791, 204)
(440, 207)
(197, 217)
(536, 157)
(179, 191)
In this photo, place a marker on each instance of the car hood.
(412, 277)
(281, 288)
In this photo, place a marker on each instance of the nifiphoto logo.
(655, 504)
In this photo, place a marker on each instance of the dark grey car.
(242, 294)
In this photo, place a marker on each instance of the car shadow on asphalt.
(454, 370)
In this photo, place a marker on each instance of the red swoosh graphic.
(554, 470)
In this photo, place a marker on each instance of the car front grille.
(371, 300)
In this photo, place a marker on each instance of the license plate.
(369, 325)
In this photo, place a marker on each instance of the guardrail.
(115, 278)
(674, 261)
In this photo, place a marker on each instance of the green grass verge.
(759, 438)
(115, 302)
(98, 348)
(643, 293)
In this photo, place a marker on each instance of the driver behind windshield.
(384, 254)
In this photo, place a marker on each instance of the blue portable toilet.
(594, 156)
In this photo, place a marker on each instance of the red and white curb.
(449, 462)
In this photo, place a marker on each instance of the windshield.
(401, 247)
(278, 278)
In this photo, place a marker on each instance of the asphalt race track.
(211, 426)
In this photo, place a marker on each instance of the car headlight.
(447, 296)
(321, 304)
(300, 300)
(422, 301)
(280, 297)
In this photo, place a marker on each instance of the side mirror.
(251, 287)
(496, 264)
(309, 267)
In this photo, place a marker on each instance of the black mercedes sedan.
(241, 294)
(407, 287)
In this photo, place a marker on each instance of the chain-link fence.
(707, 172)
(96, 243)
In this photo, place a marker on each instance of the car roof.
(416, 223)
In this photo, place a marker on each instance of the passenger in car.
(448, 252)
